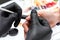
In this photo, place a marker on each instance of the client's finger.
(28, 18)
(26, 23)
(25, 26)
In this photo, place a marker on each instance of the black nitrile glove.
(17, 9)
(4, 1)
(6, 20)
(39, 28)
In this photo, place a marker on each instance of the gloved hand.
(39, 28)
(6, 20)
(17, 9)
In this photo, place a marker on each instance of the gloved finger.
(34, 17)
(19, 13)
(13, 32)
(17, 21)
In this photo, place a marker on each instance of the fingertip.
(40, 13)
(28, 18)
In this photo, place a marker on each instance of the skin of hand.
(52, 17)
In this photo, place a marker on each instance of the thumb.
(34, 16)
